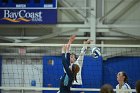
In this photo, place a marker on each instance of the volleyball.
(95, 52)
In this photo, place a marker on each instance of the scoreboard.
(28, 11)
(51, 4)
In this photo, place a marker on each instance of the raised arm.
(66, 56)
(72, 38)
(83, 50)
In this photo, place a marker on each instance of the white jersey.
(125, 86)
(79, 62)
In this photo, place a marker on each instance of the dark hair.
(75, 70)
(74, 55)
(126, 77)
(138, 86)
(107, 88)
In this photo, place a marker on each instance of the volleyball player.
(79, 62)
(70, 70)
(122, 80)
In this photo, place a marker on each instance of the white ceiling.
(115, 20)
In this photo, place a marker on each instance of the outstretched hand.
(72, 38)
(66, 47)
(88, 41)
(63, 48)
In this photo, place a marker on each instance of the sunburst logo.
(17, 20)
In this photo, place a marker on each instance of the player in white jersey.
(122, 80)
(79, 62)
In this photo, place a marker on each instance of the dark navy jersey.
(65, 88)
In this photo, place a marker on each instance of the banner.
(28, 16)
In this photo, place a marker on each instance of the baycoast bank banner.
(28, 16)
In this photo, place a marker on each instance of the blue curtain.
(52, 71)
(111, 66)
(91, 72)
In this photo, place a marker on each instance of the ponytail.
(75, 70)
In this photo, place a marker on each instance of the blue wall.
(91, 72)
(52, 72)
(95, 71)
(131, 65)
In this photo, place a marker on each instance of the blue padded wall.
(111, 66)
(52, 73)
(95, 72)
(91, 72)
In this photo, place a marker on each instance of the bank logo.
(22, 15)
(17, 20)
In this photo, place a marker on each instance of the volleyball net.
(27, 67)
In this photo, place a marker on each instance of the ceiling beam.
(6, 39)
(125, 33)
(23, 37)
(117, 12)
(78, 38)
(97, 30)
(56, 33)
(107, 26)
(98, 38)
(103, 17)
(75, 13)
(65, 25)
